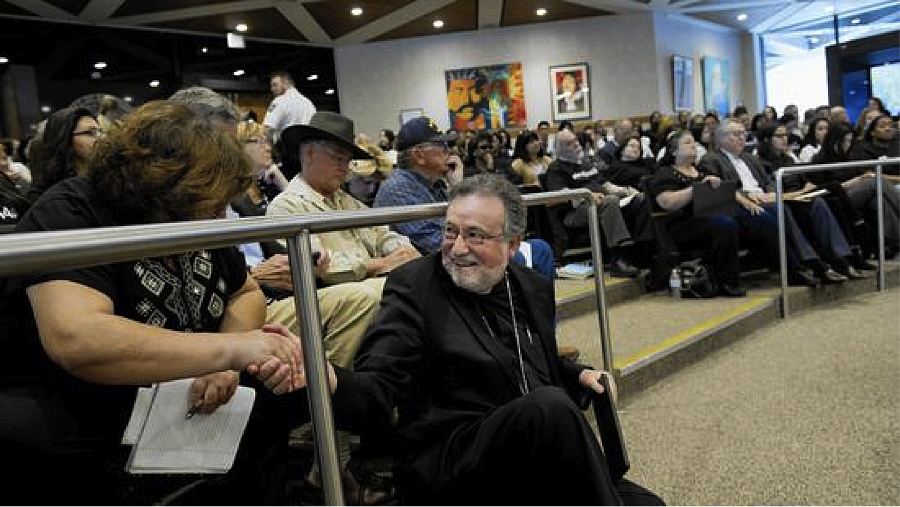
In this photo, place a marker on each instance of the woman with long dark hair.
(813, 215)
(529, 160)
(860, 185)
(64, 148)
(812, 141)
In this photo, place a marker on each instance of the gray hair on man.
(515, 219)
(208, 104)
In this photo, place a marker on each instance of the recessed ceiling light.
(128, 99)
(100, 65)
(241, 27)
(154, 83)
(204, 50)
(4, 59)
(329, 91)
(541, 12)
(356, 11)
(742, 17)
(312, 77)
(856, 21)
(45, 109)
(239, 72)
(438, 23)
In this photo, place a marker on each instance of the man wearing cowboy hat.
(325, 148)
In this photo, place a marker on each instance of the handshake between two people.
(276, 360)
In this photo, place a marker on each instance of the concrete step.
(652, 335)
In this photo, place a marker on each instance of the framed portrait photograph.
(409, 114)
(683, 82)
(570, 92)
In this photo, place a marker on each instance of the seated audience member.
(529, 161)
(87, 338)
(622, 131)
(813, 215)
(63, 151)
(795, 138)
(838, 114)
(457, 170)
(548, 140)
(386, 144)
(325, 148)
(756, 212)
(366, 176)
(716, 236)
(420, 180)
(483, 160)
(863, 121)
(504, 144)
(879, 141)
(268, 180)
(15, 171)
(812, 142)
(586, 140)
(622, 226)
(13, 203)
(463, 352)
(861, 186)
(628, 167)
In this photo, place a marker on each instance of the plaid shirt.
(406, 187)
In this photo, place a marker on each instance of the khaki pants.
(346, 309)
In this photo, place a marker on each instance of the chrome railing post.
(314, 361)
(599, 290)
(879, 188)
(782, 244)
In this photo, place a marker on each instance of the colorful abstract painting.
(487, 97)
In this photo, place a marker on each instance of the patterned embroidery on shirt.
(216, 306)
(203, 267)
(152, 282)
(220, 285)
(144, 308)
(157, 319)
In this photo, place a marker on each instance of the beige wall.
(624, 52)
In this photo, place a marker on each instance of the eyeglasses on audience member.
(472, 237)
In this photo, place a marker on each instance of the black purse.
(696, 280)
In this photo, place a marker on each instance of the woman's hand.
(714, 181)
(209, 392)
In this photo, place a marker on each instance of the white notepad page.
(205, 443)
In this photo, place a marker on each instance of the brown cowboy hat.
(326, 126)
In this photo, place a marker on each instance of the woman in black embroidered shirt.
(717, 235)
(86, 338)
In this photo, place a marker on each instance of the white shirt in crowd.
(289, 108)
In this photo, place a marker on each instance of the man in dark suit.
(463, 348)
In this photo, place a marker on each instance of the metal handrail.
(58, 250)
(779, 199)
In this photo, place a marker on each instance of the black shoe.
(862, 264)
(622, 269)
(732, 291)
(800, 278)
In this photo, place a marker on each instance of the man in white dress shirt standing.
(289, 107)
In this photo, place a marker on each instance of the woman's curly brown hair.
(165, 164)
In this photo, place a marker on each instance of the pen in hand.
(191, 411)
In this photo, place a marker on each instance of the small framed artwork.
(409, 114)
(683, 82)
(570, 90)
